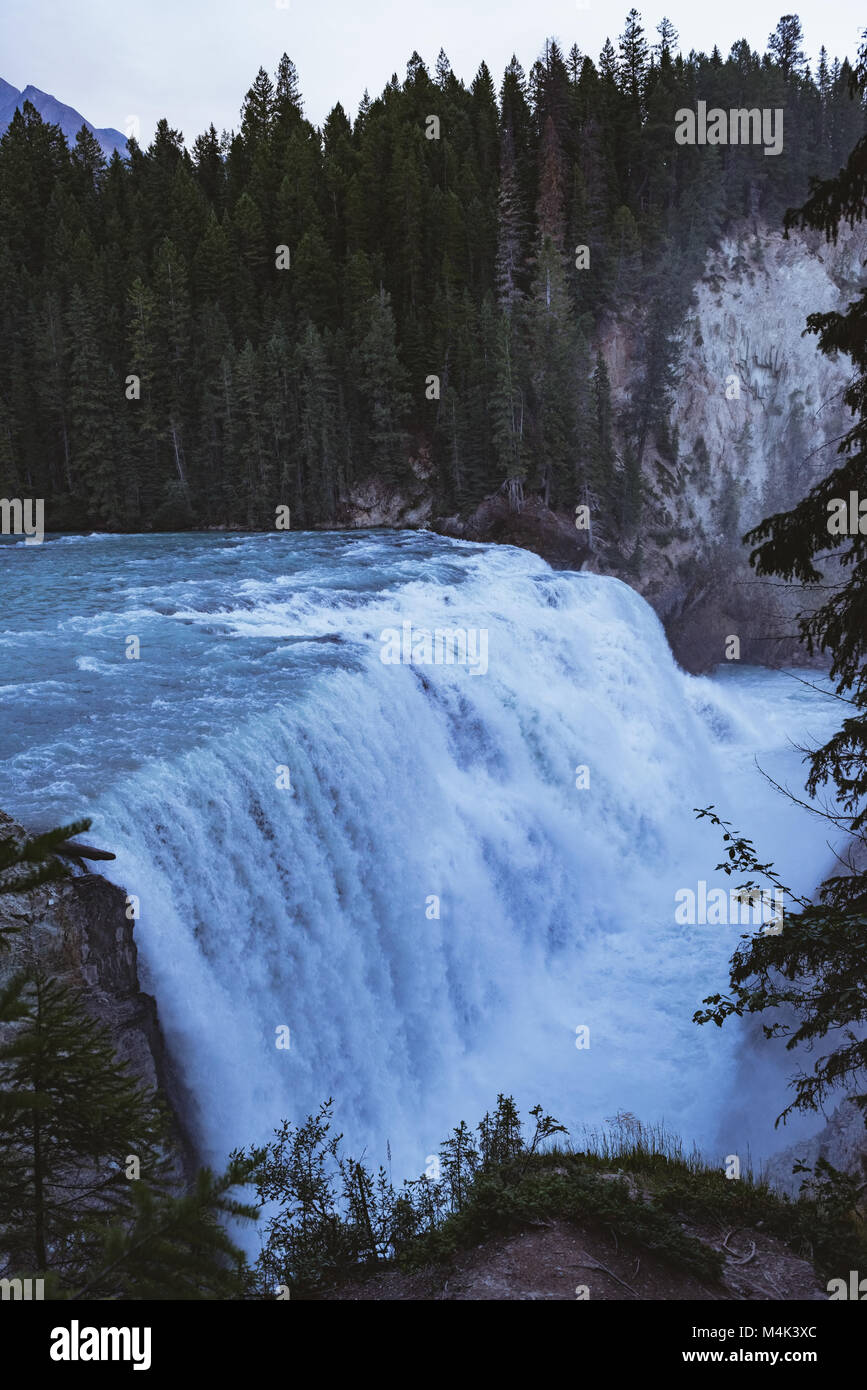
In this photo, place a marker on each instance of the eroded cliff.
(77, 930)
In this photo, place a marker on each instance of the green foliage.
(172, 1247)
(816, 968)
(73, 1210)
(332, 1220)
(38, 851)
(70, 1116)
(335, 1217)
(823, 1225)
(504, 1205)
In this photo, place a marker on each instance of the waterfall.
(433, 883)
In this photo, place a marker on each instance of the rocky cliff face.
(372, 503)
(755, 419)
(534, 527)
(753, 388)
(78, 930)
(757, 414)
(842, 1142)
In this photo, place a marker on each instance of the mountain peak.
(58, 113)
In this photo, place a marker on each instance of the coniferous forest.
(195, 336)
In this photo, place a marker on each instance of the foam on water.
(264, 907)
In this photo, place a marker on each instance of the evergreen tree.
(288, 108)
(383, 383)
(608, 66)
(601, 472)
(71, 1120)
(511, 230)
(173, 1246)
(443, 69)
(26, 865)
(163, 265)
(785, 45)
(815, 968)
(36, 856)
(258, 111)
(508, 414)
(668, 40)
(94, 414)
(632, 69)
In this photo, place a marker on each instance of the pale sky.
(193, 60)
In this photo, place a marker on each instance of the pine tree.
(608, 66)
(601, 474)
(317, 434)
(28, 864)
(36, 855)
(257, 113)
(516, 124)
(552, 351)
(88, 167)
(33, 157)
(145, 429)
(815, 968)
(511, 230)
(171, 1246)
(668, 40)
(385, 388)
(162, 264)
(173, 385)
(785, 45)
(288, 108)
(69, 1117)
(507, 413)
(72, 1118)
(95, 396)
(210, 170)
(632, 68)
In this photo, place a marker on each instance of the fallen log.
(70, 850)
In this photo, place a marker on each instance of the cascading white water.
(309, 908)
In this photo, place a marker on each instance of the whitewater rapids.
(292, 813)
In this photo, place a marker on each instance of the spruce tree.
(785, 45)
(72, 1121)
(288, 103)
(27, 864)
(507, 414)
(816, 967)
(602, 465)
(162, 263)
(384, 388)
(173, 1246)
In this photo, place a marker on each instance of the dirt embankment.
(564, 1262)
